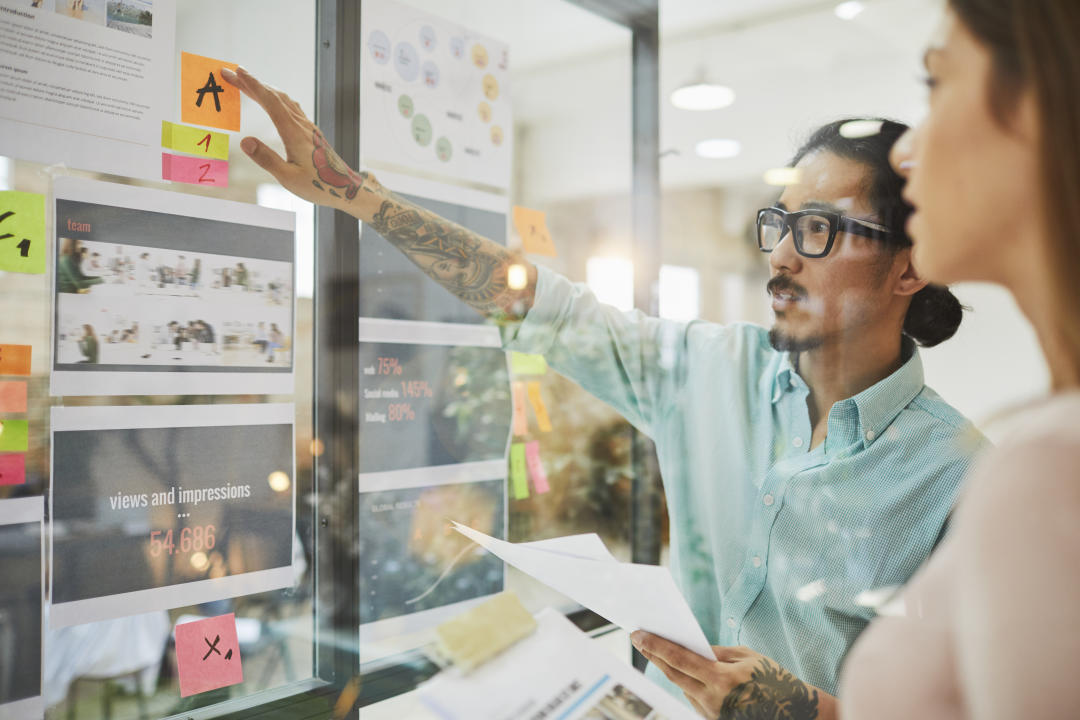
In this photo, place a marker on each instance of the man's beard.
(783, 342)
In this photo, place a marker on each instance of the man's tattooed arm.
(470, 266)
(772, 693)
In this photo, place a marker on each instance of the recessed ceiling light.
(849, 10)
(718, 148)
(702, 96)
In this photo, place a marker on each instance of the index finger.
(677, 656)
(267, 98)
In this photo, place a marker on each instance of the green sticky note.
(22, 232)
(14, 433)
(525, 364)
(519, 480)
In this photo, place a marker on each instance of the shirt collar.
(877, 405)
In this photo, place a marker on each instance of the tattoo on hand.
(333, 172)
(772, 693)
(461, 261)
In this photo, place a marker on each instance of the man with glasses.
(807, 468)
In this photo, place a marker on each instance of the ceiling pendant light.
(700, 94)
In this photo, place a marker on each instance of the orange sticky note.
(208, 655)
(521, 421)
(205, 98)
(532, 227)
(539, 409)
(15, 360)
(12, 396)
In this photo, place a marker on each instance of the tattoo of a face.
(453, 256)
(332, 171)
(772, 693)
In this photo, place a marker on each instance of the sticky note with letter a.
(14, 435)
(205, 97)
(194, 141)
(15, 360)
(519, 479)
(22, 232)
(12, 469)
(208, 655)
(532, 227)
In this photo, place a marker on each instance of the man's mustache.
(784, 284)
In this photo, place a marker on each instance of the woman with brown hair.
(990, 627)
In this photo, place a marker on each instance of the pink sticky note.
(208, 655)
(12, 396)
(536, 468)
(521, 421)
(194, 170)
(12, 469)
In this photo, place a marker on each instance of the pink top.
(989, 628)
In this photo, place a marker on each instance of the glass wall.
(331, 408)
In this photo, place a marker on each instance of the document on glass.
(634, 597)
(557, 672)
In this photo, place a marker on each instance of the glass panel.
(187, 500)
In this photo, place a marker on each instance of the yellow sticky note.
(519, 478)
(22, 232)
(532, 227)
(540, 410)
(194, 141)
(205, 98)
(526, 364)
(521, 421)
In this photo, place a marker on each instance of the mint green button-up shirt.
(775, 545)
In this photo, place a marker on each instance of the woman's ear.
(908, 283)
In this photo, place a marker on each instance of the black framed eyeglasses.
(813, 230)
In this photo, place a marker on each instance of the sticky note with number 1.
(208, 655)
(194, 141)
(205, 97)
(22, 232)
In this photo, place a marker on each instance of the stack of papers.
(634, 597)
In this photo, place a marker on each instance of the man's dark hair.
(935, 313)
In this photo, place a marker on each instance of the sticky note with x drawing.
(208, 655)
(205, 98)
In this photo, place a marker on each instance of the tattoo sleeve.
(772, 693)
(468, 265)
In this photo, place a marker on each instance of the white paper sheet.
(89, 86)
(634, 597)
(557, 672)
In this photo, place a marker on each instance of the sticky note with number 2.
(208, 655)
(22, 232)
(194, 170)
(205, 97)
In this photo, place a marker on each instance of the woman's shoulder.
(1035, 471)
